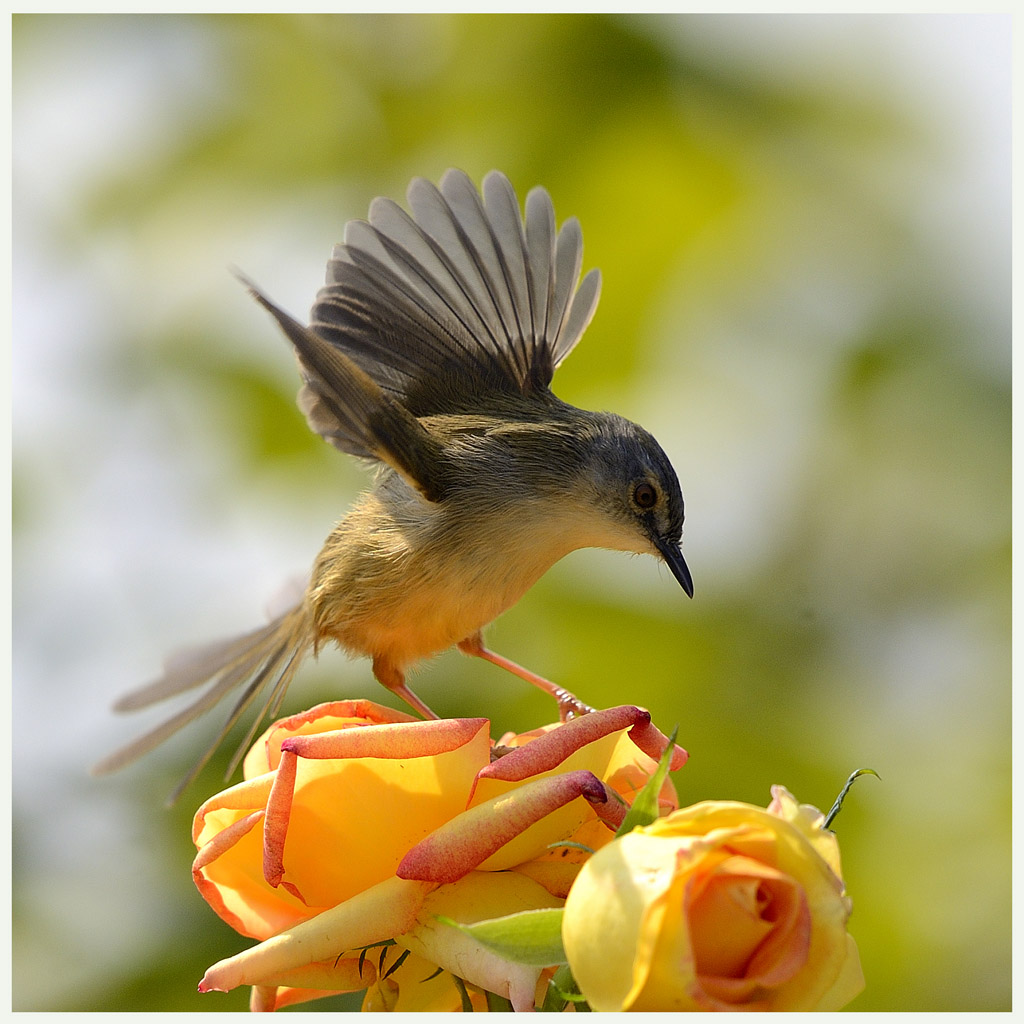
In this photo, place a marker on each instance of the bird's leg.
(392, 679)
(569, 705)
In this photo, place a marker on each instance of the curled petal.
(551, 748)
(226, 807)
(350, 974)
(339, 714)
(652, 741)
(378, 913)
(339, 974)
(464, 843)
(209, 852)
(612, 811)
(279, 807)
(398, 740)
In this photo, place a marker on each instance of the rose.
(351, 822)
(719, 906)
(356, 824)
(352, 818)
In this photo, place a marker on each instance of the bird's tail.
(262, 661)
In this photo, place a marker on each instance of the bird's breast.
(411, 583)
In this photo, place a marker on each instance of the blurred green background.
(803, 227)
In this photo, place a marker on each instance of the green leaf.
(531, 937)
(645, 806)
(562, 989)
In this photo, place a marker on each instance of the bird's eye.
(645, 495)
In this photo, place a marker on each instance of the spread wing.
(354, 413)
(462, 299)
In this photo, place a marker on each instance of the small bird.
(430, 352)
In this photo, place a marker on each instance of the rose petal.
(378, 913)
(477, 897)
(748, 921)
(807, 820)
(466, 842)
(340, 714)
(549, 749)
(603, 913)
(316, 981)
(848, 984)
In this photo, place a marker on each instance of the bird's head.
(631, 485)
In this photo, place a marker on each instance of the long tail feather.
(272, 670)
(193, 666)
(261, 661)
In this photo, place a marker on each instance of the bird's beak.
(675, 561)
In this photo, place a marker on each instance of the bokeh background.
(803, 226)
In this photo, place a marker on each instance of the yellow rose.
(719, 906)
(356, 825)
(351, 822)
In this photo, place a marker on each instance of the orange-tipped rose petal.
(216, 847)
(333, 715)
(393, 741)
(461, 845)
(550, 748)
(652, 741)
(279, 809)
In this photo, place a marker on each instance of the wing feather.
(581, 312)
(460, 298)
(510, 246)
(483, 263)
(540, 244)
(451, 242)
(568, 259)
(355, 413)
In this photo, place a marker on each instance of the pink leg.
(569, 705)
(389, 677)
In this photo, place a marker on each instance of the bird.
(430, 353)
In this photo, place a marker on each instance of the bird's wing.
(462, 299)
(351, 411)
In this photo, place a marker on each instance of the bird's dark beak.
(675, 561)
